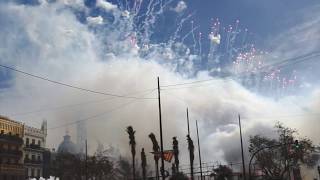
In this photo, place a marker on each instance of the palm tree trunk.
(157, 169)
(133, 168)
(192, 177)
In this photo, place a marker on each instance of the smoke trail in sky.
(132, 27)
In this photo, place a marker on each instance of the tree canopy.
(276, 157)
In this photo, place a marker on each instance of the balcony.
(30, 161)
(7, 138)
(34, 147)
(12, 153)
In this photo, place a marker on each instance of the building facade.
(34, 148)
(11, 147)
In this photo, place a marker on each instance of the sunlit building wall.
(34, 147)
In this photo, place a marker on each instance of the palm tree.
(143, 163)
(175, 148)
(191, 153)
(132, 143)
(156, 150)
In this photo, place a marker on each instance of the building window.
(32, 172)
(38, 173)
(2, 131)
(33, 141)
(39, 143)
(27, 172)
(33, 157)
(27, 141)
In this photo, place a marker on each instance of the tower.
(44, 129)
(81, 136)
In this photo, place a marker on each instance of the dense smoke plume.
(49, 40)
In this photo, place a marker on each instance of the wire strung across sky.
(97, 115)
(70, 86)
(280, 64)
(63, 107)
(193, 82)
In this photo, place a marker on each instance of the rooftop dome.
(67, 146)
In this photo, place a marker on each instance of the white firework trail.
(228, 53)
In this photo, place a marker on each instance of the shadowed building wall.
(11, 155)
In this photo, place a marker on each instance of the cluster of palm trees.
(157, 154)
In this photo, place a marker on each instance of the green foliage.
(277, 156)
(222, 172)
(132, 140)
(72, 167)
(132, 143)
(179, 176)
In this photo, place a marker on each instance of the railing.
(34, 146)
(11, 138)
(30, 161)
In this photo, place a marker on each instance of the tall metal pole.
(188, 122)
(86, 162)
(161, 140)
(242, 155)
(199, 150)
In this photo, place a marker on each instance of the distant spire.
(81, 136)
(44, 126)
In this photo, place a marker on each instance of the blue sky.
(263, 18)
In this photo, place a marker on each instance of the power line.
(294, 60)
(96, 115)
(283, 116)
(57, 108)
(204, 85)
(195, 82)
(280, 64)
(70, 86)
(280, 116)
(287, 62)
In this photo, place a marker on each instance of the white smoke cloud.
(106, 5)
(78, 4)
(98, 20)
(181, 6)
(63, 49)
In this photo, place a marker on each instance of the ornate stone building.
(34, 148)
(11, 144)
